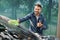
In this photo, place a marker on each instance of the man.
(37, 21)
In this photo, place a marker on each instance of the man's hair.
(39, 5)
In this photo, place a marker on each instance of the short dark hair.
(39, 5)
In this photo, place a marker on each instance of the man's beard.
(37, 13)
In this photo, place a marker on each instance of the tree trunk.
(58, 25)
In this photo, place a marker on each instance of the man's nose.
(37, 10)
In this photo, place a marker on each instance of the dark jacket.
(33, 21)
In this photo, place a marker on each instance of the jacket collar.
(39, 15)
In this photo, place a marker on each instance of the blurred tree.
(14, 5)
(49, 10)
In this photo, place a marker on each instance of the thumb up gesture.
(39, 24)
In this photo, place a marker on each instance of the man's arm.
(24, 18)
(16, 22)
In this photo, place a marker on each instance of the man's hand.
(13, 22)
(39, 24)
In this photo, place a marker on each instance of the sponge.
(13, 22)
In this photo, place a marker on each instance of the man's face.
(37, 10)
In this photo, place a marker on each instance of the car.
(14, 32)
